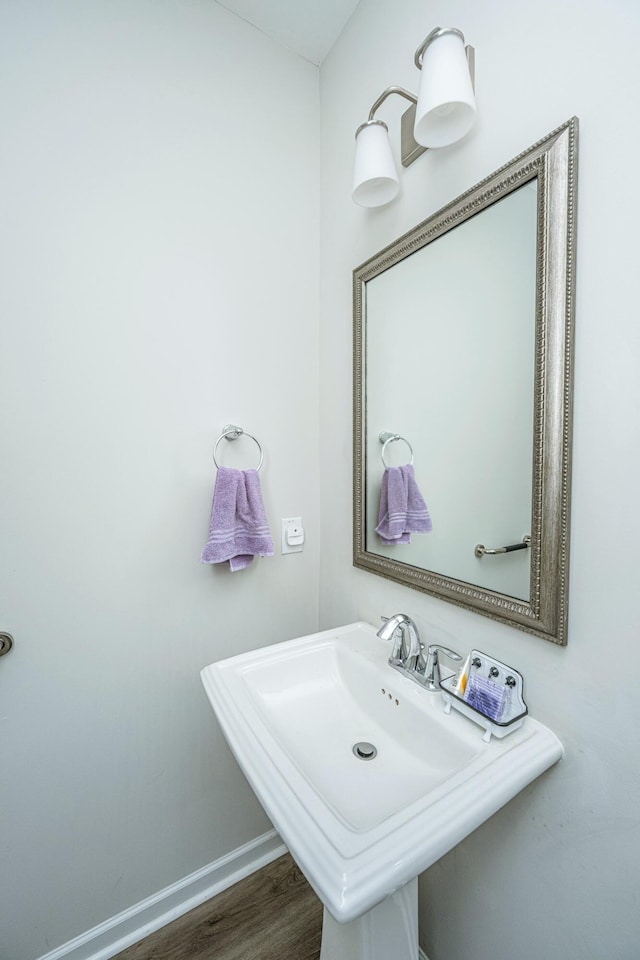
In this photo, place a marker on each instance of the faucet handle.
(432, 666)
(434, 647)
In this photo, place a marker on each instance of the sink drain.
(364, 750)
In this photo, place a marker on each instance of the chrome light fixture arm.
(388, 93)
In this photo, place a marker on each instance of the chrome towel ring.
(387, 438)
(231, 432)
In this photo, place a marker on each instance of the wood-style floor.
(271, 915)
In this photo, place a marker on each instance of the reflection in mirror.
(461, 392)
(463, 346)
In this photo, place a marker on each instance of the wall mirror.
(463, 362)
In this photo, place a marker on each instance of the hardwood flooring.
(271, 915)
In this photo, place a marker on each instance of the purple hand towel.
(402, 507)
(238, 529)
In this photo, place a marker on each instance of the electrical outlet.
(292, 535)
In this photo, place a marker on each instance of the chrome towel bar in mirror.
(482, 551)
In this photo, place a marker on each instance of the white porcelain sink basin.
(361, 829)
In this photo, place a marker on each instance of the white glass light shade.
(375, 177)
(446, 108)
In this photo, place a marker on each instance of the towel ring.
(387, 438)
(231, 432)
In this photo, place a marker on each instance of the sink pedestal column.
(389, 929)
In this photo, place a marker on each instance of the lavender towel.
(238, 529)
(402, 507)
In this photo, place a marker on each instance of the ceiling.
(308, 27)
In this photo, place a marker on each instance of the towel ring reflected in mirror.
(386, 439)
(231, 432)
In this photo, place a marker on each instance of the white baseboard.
(126, 928)
(421, 954)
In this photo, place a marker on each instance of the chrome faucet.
(407, 648)
(407, 654)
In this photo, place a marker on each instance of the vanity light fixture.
(443, 112)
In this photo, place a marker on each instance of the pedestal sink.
(364, 776)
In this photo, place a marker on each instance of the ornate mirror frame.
(553, 161)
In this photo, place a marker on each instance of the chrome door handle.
(6, 642)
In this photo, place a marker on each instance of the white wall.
(557, 873)
(159, 260)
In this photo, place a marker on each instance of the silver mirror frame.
(553, 161)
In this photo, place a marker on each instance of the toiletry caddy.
(505, 706)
